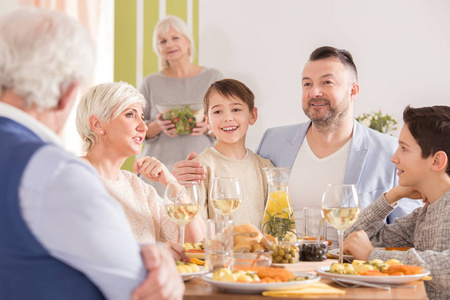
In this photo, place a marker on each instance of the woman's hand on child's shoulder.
(153, 170)
(188, 170)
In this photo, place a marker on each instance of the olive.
(313, 252)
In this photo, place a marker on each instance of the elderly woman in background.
(110, 121)
(178, 82)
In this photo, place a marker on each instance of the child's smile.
(230, 128)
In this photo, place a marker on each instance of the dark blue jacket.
(27, 270)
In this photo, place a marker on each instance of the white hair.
(162, 28)
(105, 101)
(42, 53)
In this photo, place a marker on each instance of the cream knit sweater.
(143, 208)
(253, 180)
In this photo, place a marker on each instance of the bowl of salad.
(184, 116)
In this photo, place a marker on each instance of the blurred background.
(401, 48)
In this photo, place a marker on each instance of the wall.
(135, 21)
(401, 49)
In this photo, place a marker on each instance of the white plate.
(187, 276)
(335, 253)
(197, 255)
(254, 288)
(324, 272)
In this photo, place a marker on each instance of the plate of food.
(196, 254)
(194, 250)
(335, 254)
(189, 270)
(382, 279)
(301, 279)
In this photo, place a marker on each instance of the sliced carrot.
(195, 251)
(373, 273)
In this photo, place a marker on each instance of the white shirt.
(68, 210)
(309, 178)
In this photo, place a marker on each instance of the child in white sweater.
(230, 109)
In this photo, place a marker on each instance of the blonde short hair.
(105, 101)
(162, 27)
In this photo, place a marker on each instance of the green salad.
(183, 118)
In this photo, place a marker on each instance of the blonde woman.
(179, 81)
(110, 121)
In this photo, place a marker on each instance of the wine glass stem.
(182, 235)
(341, 246)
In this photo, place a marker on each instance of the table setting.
(241, 261)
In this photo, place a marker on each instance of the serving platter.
(325, 272)
(187, 276)
(255, 288)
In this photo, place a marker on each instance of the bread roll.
(246, 229)
(272, 239)
(242, 248)
(258, 248)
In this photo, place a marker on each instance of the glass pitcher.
(278, 219)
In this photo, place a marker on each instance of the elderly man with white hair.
(61, 235)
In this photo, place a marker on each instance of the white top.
(66, 207)
(309, 178)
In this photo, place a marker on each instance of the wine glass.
(226, 195)
(182, 202)
(341, 208)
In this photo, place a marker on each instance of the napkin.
(315, 289)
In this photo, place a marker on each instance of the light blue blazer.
(369, 163)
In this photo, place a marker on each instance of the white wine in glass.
(226, 195)
(341, 208)
(182, 202)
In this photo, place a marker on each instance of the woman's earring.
(101, 131)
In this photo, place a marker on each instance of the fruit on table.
(285, 254)
(234, 276)
(313, 251)
(187, 267)
(369, 267)
(192, 246)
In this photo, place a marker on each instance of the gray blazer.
(369, 163)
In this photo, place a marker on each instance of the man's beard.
(332, 118)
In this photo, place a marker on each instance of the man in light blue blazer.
(329, 89)
(368, 165)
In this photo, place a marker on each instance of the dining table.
(197, 288)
